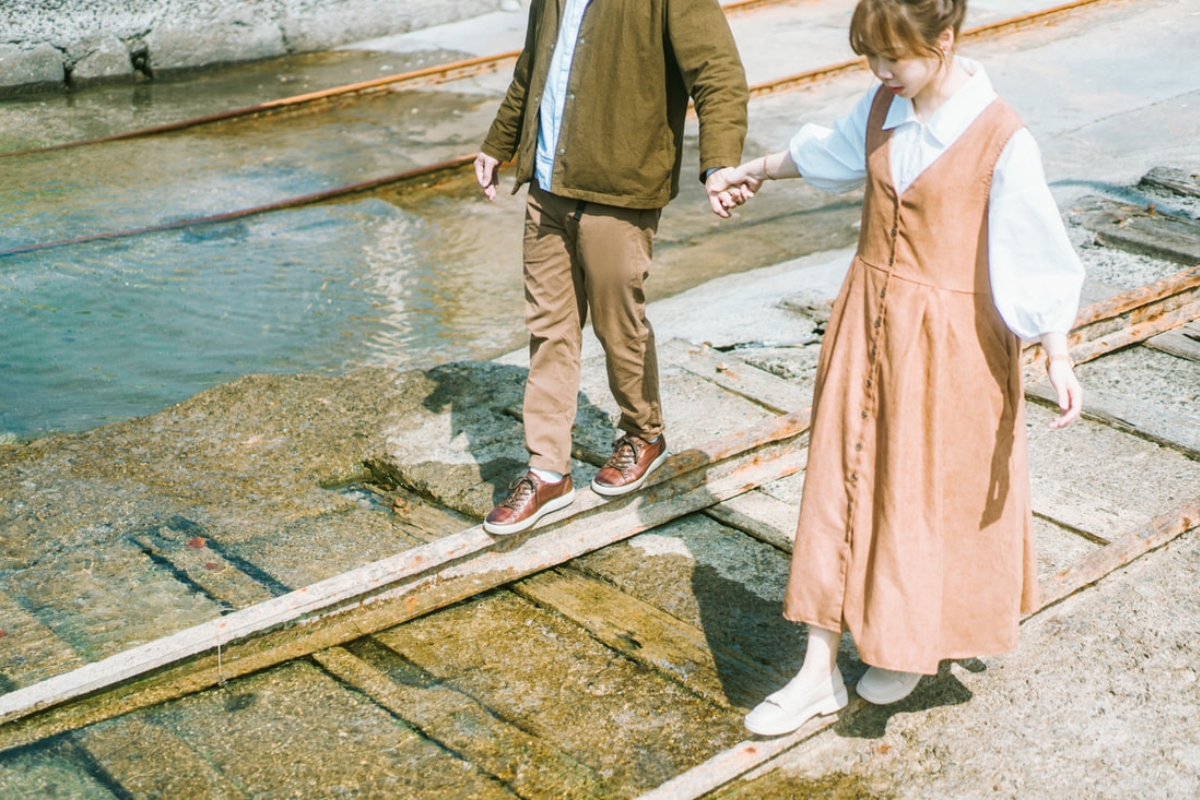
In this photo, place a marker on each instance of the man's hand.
(726, 189)
(487, 173)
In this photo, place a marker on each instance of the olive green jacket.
(636, 63)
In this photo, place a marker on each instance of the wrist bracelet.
(1050, 359)
(770, 177)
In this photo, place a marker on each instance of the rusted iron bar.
(1127, 319)
(433, 171)
(1121, 552)
(394, 590)
(438, 73)
(971, 34)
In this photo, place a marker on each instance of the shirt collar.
(956, 113)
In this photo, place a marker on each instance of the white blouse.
(1036, 275)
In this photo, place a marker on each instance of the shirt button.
(562, 151)
(571, 96)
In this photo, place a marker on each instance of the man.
(595, 118)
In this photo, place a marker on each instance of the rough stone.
(188, 35)
(101, 60)
(235, 36)
(39, 66)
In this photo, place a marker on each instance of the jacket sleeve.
(712, 71)
(505, 134)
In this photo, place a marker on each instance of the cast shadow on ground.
(484, 400)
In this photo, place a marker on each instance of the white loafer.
(793, 705)
(885, 686)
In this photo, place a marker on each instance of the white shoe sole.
(617, 491)
(517, 527)
(886, 698)
(827, 706)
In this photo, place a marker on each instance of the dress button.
(858, 448)
(853, 477)
(869, 383)
(878, 322)
(872, 352)
(891, 260)
(893, 233)
(883, 292)
(864, 415)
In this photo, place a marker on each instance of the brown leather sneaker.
(529, 499)
(632, 461)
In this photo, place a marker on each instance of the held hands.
(487, 173)
(728, 187)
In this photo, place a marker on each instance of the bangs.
(882, 28)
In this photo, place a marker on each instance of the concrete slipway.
(118, 536)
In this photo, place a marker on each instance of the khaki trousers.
(580, 257)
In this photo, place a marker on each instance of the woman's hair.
(904, 28)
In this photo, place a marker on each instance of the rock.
(101, 60)
(32, 68)
(234, 36)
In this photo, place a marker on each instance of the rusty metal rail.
(428, 76)
(449, 167)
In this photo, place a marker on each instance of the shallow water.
(104, 331)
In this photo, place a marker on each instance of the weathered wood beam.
(1140, 229)
(394, 590)
(735, 375)
(1132, 416)
(676, 649)
(1178, 181)
(1183, 342)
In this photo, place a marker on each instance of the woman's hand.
(1061, 372)
(725, 190)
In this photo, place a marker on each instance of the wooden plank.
(161, 765)
(197, 563)
(1126, 319)
(532, 768)
(743, 757)
(1131, 415)
(759, 515)
(1121, 552)
(646, 634)
(394, 590)
(1183, 342)
(732, 373)
(1177, 181)
(1140, 229)
(29, 650)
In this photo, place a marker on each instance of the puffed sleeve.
(834, 159)
(1035, 273)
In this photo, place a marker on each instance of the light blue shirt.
(554, 98)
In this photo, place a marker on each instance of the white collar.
(952, 118)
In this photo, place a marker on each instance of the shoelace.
(625, 456)
(519, 492)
